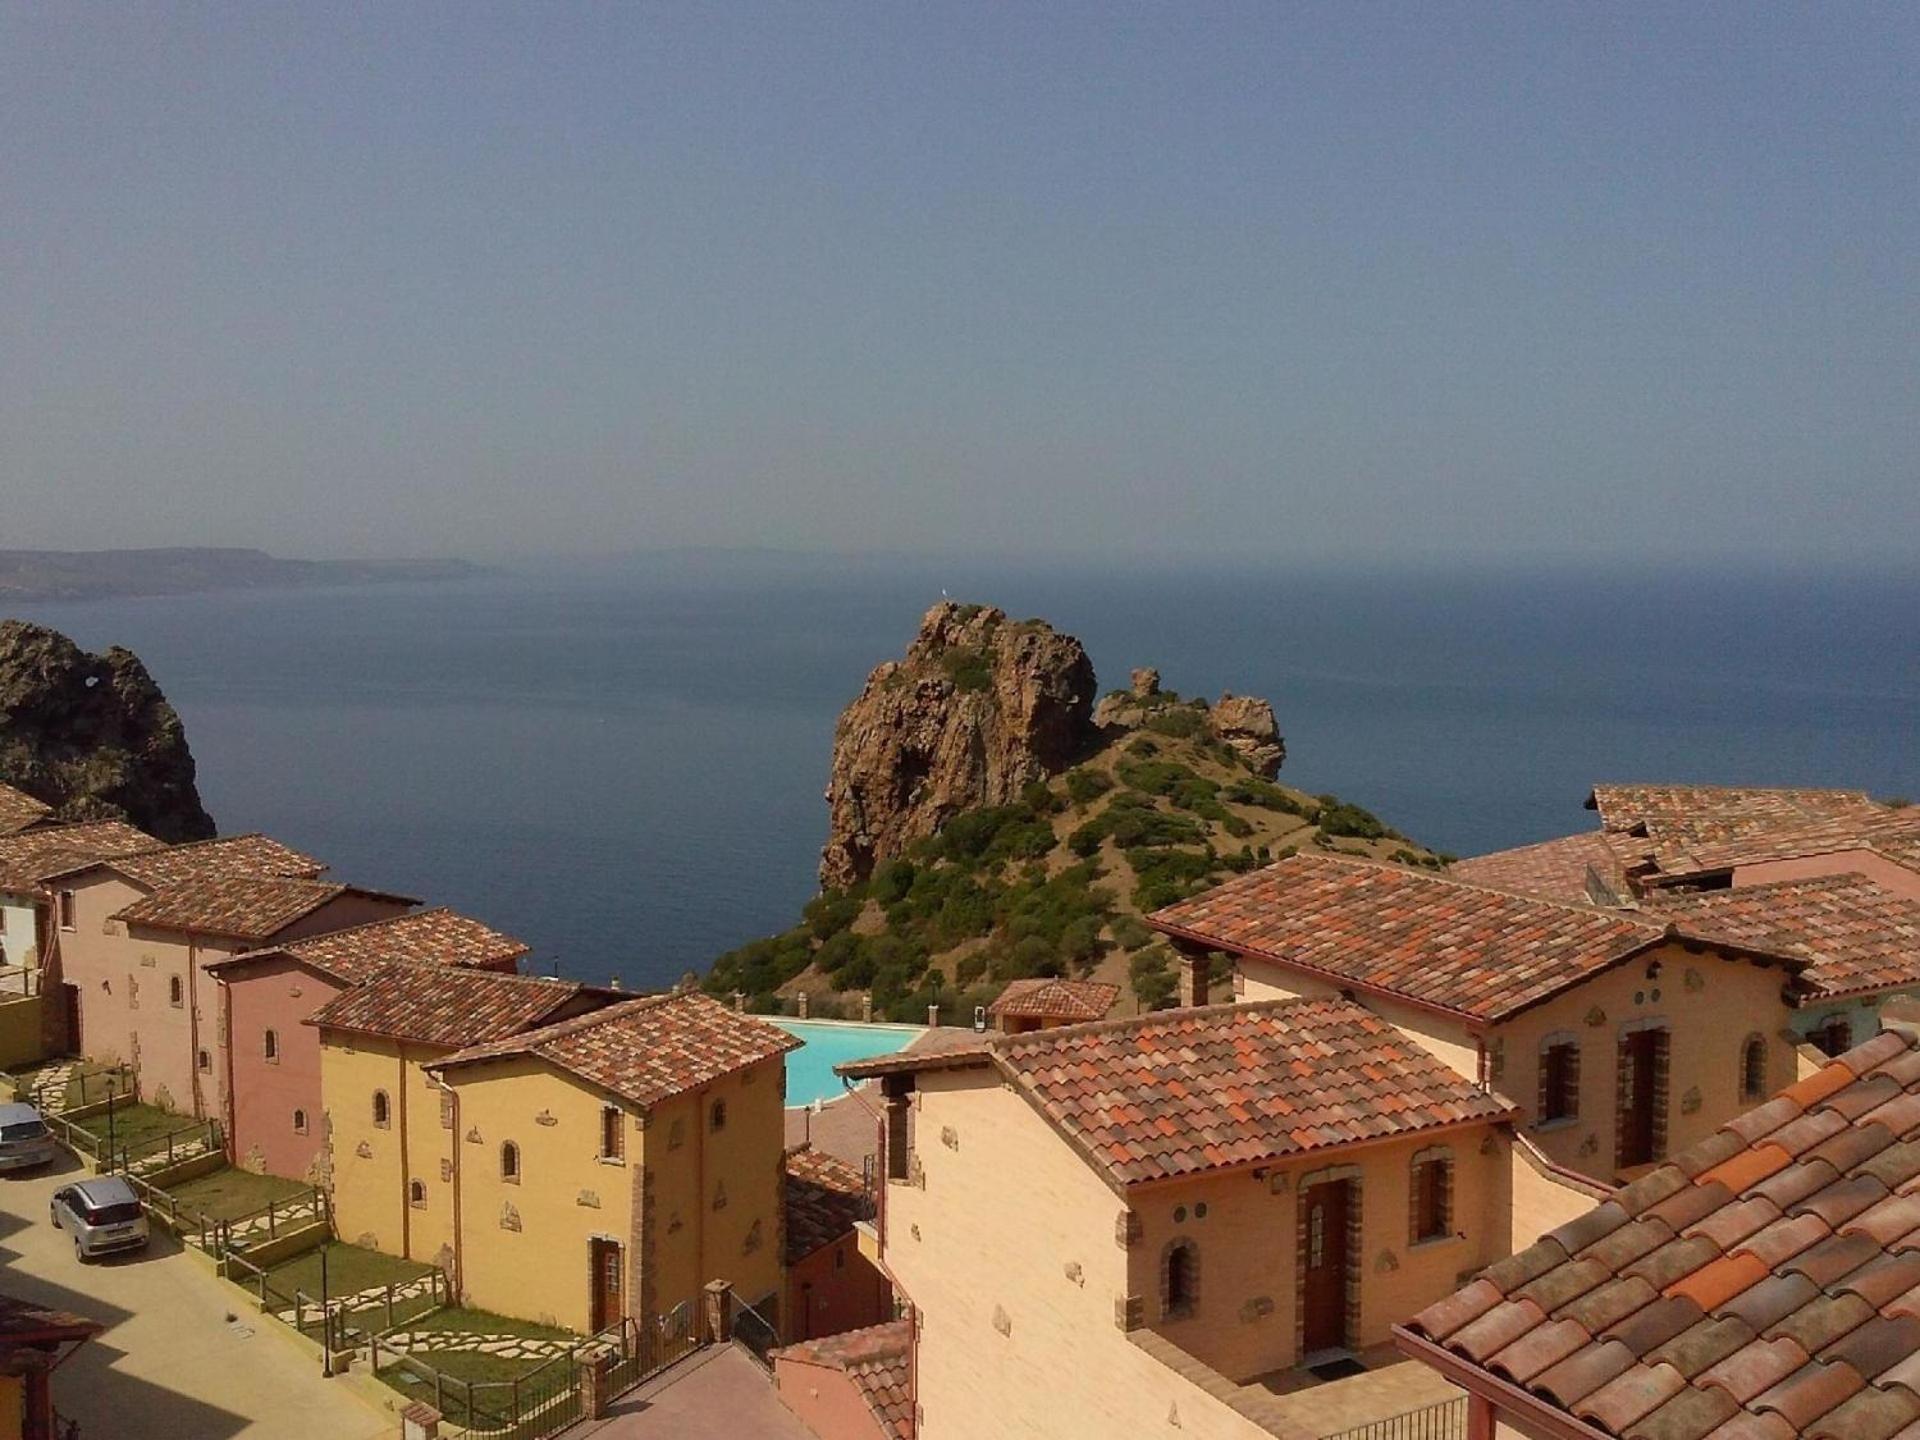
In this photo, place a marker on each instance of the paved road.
(170, 1365)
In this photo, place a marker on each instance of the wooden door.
(1324, 1282)
(1639, 1055)
(607, 1278)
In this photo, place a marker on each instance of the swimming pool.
(829, 1043)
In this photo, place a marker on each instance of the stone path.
(372, 1296)
(49, 1092)
(505, 1347)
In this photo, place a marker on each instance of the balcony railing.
(1443, 1420)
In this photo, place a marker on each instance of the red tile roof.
(643, 1050)
(1703, 851)
(1181, 1092)
(1050, 999)
(18, 810)
(1482, 953)
(202, 859)
(879, 1362)
(450, 1007)
(24, 1323)
(1765, 1283)
(243, 907)
(1565, 869)
(1650, 808)
(426, 937)
(825, 1196)
(28, 857)
(1860, 936)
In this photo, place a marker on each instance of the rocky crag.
(92, 736)
(990, 822)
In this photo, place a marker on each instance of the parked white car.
(24, 1138)
(102, 1214)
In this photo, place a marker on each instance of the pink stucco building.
(134, 934)
(273, 1114)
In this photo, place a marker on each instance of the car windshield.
(22, 1130)
(113, 1214)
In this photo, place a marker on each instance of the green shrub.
(1154, 777)
(1150, 974)
(968, 669)
(1177, 721)
(1129, 933)
(1164, 876)
(1338, 817)
(891, 882)
(1142, 746)
(829, 913)
(1085, 786)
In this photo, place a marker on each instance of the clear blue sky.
(1409, 282)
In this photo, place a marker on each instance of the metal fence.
(755, 1331)
(1443, 1420)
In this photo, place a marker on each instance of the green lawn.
(485, 1322)
(228, 1194)
(490, 1407)
(349, 1269)
(138, 1129)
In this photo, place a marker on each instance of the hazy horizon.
(1396, 285)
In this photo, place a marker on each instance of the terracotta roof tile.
(643, 1050)
(1859, 936)
(1809, 1324)
(19, 810)
(1564, 869)
(1180, 1092)
(424, 937)
(878, 1361)
(824, 1198)
(205, 859)
(29, 857)
(1479, 952)
(450, 1007)
(1045, 998)
(245, 907)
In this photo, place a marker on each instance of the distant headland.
(188, 570)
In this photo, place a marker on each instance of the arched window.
(299, 1122)
(1432, 1207)
(270, 1046)
(1753, 1067)
(611, 1136)
(204, 1061)
(717, 1116)
(176, 991)
(382, 1109)
(510, 1163)
(1180, 1279)
(1559, 1078)
(417, 1194)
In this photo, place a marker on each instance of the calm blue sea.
(623, 764)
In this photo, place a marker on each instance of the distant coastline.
(193, 570)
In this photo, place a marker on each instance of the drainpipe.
(700, 1174)
(193, 1025)
(459, 1245)
(231, 1105)
(406, 1198)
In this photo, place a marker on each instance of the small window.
(612, 1133)
(176, 992)
(66, 910)
(417, 1194)
(299, 1122)
(717, 1116)
(382, 1111)
(1753, 1068)
(1560, 1082)
(270, 1046)
(1834, 1037)
(510, 1163)
(1432, 1198)
(1183, 1279)
(204, 1061)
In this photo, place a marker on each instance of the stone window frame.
(1355, 1181)
(270, 1046)
(417, 1194)
(613, 1133)
(1556, 1041)
(299, 1122)
(66, 912)
(203, 1061)
(1187, 1306)
(1753, 1067)
(1662, 1073)
(509, 1162)
(382, 1111)
(1433, 1155)
(176, 992)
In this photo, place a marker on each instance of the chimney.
(1196, 976)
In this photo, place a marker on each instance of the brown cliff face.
(979, 708)
(92, 736)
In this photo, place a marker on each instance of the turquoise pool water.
(810, 1074)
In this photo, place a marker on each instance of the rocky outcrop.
(1246, 725)
(92, 736)
(979, 708)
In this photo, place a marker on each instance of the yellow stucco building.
(389, 1145)
(610, 1165)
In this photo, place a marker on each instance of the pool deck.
(847, 1128)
